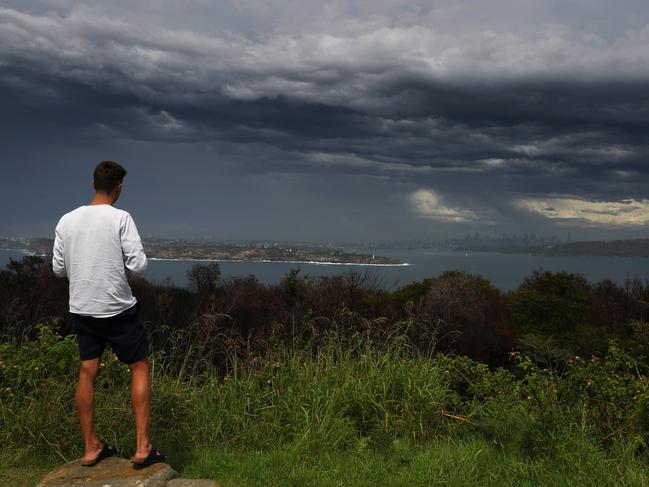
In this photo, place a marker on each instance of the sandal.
(154, 457)
(107, 450)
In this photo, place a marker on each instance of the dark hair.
(107, 176)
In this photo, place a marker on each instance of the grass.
(21, 476)
(445, 463)
(351, 413)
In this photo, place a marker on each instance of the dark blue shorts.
(124, 332)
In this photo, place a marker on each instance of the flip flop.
(107, 450)
(154, 457)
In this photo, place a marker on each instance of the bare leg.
(141, 402)
(85, 399)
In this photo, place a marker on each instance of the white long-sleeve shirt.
(94, 245)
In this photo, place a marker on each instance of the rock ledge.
(118, 472)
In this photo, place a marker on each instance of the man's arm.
(58, 255)
(134, 257)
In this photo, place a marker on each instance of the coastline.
(315, 262)
(20, 251)
(163, 259)
(26, 253)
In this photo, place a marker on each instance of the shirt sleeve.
(134, 258)
(58, 253)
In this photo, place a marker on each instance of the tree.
(549, 303)
(203, 278)
(293, 285)
(469, 313)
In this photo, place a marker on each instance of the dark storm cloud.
(478, 118)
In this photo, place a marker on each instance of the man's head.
(107, 179)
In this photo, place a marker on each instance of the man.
(94, 246)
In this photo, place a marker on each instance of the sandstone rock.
(192, 483)
(110, 472)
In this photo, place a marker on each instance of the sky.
(321, 121)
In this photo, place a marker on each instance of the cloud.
(627, 212)
(352, 68)
(427, 203)
(487, 104)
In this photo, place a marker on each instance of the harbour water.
(505, 271)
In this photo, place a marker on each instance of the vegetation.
(334, 382)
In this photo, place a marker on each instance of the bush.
(549, 303)
(468, 311)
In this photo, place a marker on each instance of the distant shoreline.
(163, 259)
(20, 251)
(591, 248)
(278, 261)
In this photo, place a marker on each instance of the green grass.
(445, 463)
(352, 413)
(21, 476)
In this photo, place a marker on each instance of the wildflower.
(102, 364)
(589, 383)
(35, 369)
(269, 381)
(529, 398)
